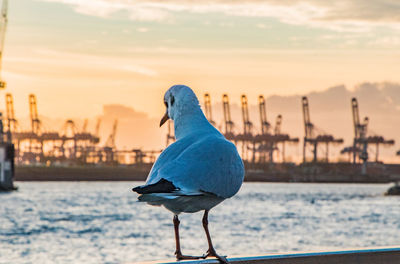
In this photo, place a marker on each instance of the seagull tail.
(156, 199)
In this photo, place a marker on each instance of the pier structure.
(383, 255)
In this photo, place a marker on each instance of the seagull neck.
(190, 123)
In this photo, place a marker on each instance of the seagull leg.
(178, 252)
(211, 251)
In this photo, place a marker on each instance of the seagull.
(195, 173)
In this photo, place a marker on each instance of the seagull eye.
(172, 100)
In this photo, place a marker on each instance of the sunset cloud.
(342, 15)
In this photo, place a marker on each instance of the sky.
(78, 56)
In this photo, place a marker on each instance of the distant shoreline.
(139, 173)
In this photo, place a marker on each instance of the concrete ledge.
(387, 255)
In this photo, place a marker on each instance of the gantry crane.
(69, 131)
(35, 124)
(110, 144)
(265, 139)
(229, 125)
(282, 137)
(360, 142)
(268, 139)
(12, 122)
(97, 128)
(278, 124)
(362, 138)
(3, 27)
(34, 137)
(85, 142)
(111, 138)
(247, 124)
(84, 126)
(311, 137)
(246, 137)
(33, 111)
(6, 169)
(207, 108)
(265, 125)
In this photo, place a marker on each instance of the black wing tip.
(137, 189)
(162, 186)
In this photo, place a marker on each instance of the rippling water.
(100, 222)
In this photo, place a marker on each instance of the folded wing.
(216, 168)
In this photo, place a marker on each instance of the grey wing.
(210, 165)
(168, 155)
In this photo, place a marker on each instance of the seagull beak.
(164, 119)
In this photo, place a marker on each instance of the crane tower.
(3, 27)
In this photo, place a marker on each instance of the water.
(100, 222)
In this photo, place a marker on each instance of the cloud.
(79, 63)
(142, 29)
(341, 15)
(135, 129)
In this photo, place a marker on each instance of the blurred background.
(309, 91)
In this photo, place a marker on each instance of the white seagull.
(197, 172)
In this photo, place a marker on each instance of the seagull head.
(179, 100)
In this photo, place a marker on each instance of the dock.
(384, 255)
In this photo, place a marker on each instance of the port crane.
(33, 111)
(69, 132)
(110, 146)
(362, 139)
(265, 125)
(282, 137)
(246, 138)
(278, 124)
(229, 125)
(277, 134)
(270, 138)
(6, 146)
(111, 138)
(208, 109)
(84, 126)
(12, 122)
(247, 124)
(3, 27)
(265, 138)
(97, 128)
(311, 137)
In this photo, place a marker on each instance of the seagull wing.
(210, 165)
(168, 155)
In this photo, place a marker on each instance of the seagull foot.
(212, 253)
(179, 256)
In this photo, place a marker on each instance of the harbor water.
(101, 222)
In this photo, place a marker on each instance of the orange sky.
(78, 56)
